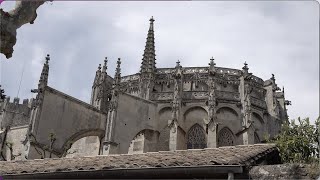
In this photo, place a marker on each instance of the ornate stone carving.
(247, 106)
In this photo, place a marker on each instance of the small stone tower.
(101, 88)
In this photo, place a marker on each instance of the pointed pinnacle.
(151, 19)
(118, 62)
(105, 61)
(178, 63)
(212, 63)
(47, 58)
(245, 67)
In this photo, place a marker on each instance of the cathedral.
(156, 109)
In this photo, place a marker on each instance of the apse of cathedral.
(156, 109)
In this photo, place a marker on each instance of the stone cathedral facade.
(156, 109)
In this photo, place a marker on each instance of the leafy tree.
(298, 141)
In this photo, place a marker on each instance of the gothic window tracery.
(196, 138)
(225, 137)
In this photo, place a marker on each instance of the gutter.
(214, 171)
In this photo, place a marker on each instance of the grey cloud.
(273, 37)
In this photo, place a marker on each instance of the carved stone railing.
(195, 95)
(165, 70)
(191, 70)
(162, 96)
(228, 71)
(258, 102)
(232, 96)
(130, 78)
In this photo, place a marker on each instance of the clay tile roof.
(232, 155)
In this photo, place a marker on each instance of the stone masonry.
(156, 109)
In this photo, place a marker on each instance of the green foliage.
(299, 143)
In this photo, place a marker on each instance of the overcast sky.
(273, 37)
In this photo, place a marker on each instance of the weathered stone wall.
(133, 115)
(68, 119)
(137, 144)
(14, 114)
(16, 136)
(86, 146)
(285, 171)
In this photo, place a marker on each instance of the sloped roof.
(241, 155)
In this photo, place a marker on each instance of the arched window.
(225, 137)
(196, 138)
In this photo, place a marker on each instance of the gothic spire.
(149, 57)
(44, 74)
(105, 67)
(104, 70)
(97, 77)
(117, 76)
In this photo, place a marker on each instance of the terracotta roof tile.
(232, 155)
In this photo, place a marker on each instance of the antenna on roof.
(24, 64)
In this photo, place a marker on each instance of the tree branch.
(23, 12)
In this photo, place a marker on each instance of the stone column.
(109, 146)
(212, 107)
(173, 138)
(212, 135)
(245, 90)
(176, 106)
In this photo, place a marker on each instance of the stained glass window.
(225, 137)
(196, 138)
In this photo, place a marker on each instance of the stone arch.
(256, 116)
(164, 115)
(196, 137)
(228, 108)
(85, 146)
(80, 135)
(225, 137)
(228, 117)
(145, 141)
(164, 109)
(193, 115)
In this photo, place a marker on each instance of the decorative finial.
(104, 68)
(118, 67)
(47, 58)
(105, 61)
(245, 67)
(272, 77)
(117, 76)
(212, 63)
(178, 63)
(118, 62)
(283, 89)
(151, 19)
